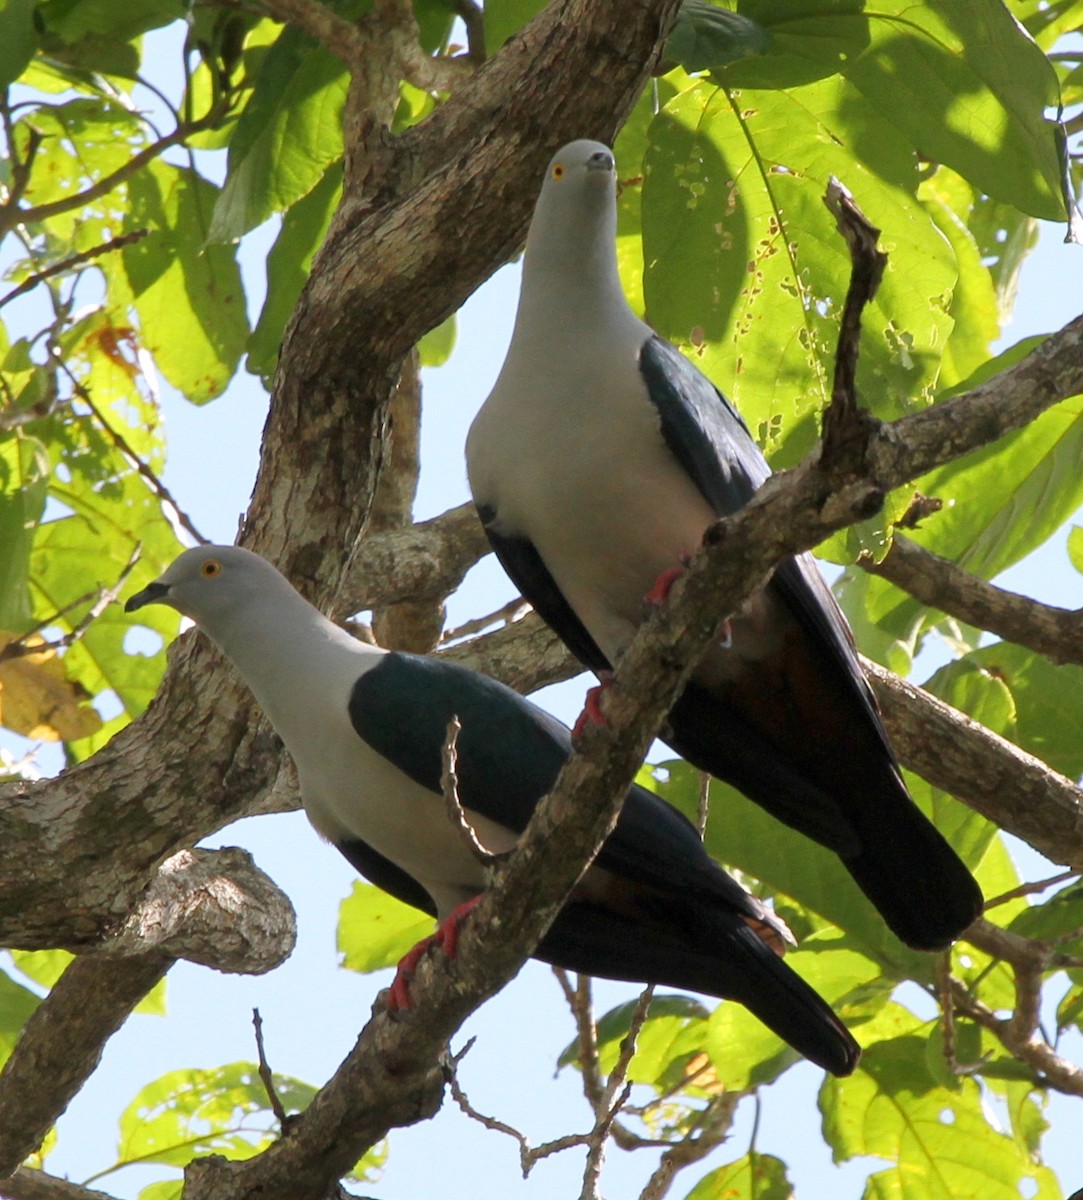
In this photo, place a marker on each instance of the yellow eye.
(558, 170)
(211, 568)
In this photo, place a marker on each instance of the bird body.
(599, 459)
(366, 729)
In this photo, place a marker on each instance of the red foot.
(663, 585)
(446, 936)
(592, 705)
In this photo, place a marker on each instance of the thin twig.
(150, 478)
(58, 268)
(845, 422)
(449, 785)
(513, 611)
(103, 597)
(619, 1073)
(266, 1075)
(1030, 889)
(105, 185)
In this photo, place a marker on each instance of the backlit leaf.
(375, 930)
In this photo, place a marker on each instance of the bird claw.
(446, 937)
(658, 596)
(592, 706)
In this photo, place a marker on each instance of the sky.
(312, 1011)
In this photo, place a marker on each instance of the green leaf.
(937, 1139)
(436, 346)
(740, 250)
(740, 834)
(74, 20)
(675, 1028)
(18, 38)
(375, 930)
(965, 84)
(1000, 503)
(188, 1113)
(165, 1189)
(505, 17)
(44, 967)
(16, 1005)
(189, 295)
(289, 134)
(752, 1177)
(24, 484)
(706, 37)
(1048, 719)
(1075, 547)
(288, 264)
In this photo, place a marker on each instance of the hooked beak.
(153, 593)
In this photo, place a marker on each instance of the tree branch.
(27, 1184)
(1017, 791)
(939, 583)
(212, 907)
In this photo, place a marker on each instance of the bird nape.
(366, 728)
(597, 462)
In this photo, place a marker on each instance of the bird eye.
(558, 170)
(211, 568)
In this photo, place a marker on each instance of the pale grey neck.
(285, 649)
(570, 277)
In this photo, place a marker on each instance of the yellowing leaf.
(38, 700)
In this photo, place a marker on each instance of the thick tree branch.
(389, 269)
(1017, 791)
(418, 563)
(212, 907)
(1057, 1073)
(62, 1043)
(26, 1184)
(320, 21)
(939, 583)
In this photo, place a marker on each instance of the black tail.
(706, 950)
(848, 796)
(915, 879)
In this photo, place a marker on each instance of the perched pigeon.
(366, 729)
(597, 463)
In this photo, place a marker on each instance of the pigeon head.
(210, 582)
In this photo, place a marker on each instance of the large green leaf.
(740, 251)
(963, 82)
(18, 38)
(375, 930)
(937, 1139)
(188, 294)
(184, 1114)
(999, 504)
(24, 483)
(288, 263)
(1048, 718)
(740, 834)
(289, 134)
(505, 17)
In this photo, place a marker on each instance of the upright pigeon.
(366, 729)
(597, 462)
